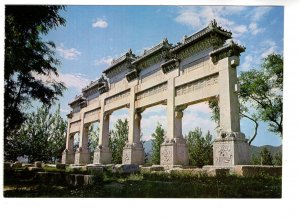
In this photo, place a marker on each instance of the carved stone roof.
(92, 85)
(78, 99)
(229, 45)
(211, 28)
(128, 57)
(164, 44)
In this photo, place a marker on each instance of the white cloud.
(197, 17)
(193, 119)
(248, 63)
(268, 47)
(259, 12)
(105, 60)
(77, 81)
(69, 54)
(253, 27)
(100, 23)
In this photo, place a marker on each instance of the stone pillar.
(133, 152)
(82, 155)
(174, 150)
(102, 154)
(230, 147)
(68, 153)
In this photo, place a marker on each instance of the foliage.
(260, 90)
(118, 139)
(93, 137)
(27, 59)
(214, 106)
(158, 139)
(277, 160)
(263, 90)
(266, 157)
(41, 137)
(200, 148)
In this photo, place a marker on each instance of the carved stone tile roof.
(78, 98)
(128, 56)
(163, 44)
(229, 44)
(91, 85)
(212, 27)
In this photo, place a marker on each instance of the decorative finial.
(165, 40)
(213, 23)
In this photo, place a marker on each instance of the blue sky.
(94, 35)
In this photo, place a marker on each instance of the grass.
(148, 185)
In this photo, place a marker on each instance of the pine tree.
(158, 139)
(200, 148)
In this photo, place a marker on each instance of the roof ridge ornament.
(213, 24)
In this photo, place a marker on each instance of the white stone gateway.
(201, 67)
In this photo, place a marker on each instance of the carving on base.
(230, 149)
(174, 152)
(133, 154)
(82, 156)
(67, 157)
(102, 155)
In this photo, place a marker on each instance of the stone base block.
(60, 166)
(126, 168)
(82, 156)
(230, 151)
(94, 169)
(216, 171)
(174, 152)
(68, 157)
(102, 155)
(133, 154)
(38, 164)
(256, 170)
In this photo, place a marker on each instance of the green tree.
(93, 139)
(200, 148)
(118, 139)
(263, 89)
(41, 137)
(278, 159)
(158, 139)
(266, 157)
(28, 58)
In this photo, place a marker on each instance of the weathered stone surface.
(231, 149)
(217, 171)
(94, 169)
(82, 156)
(133, 154)
(35, 169)
(60, 166)
(102, 155)
(126, 168)
(174, 152)
(17, 164)
(68, 157)
(256, 170)
(38, 164)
